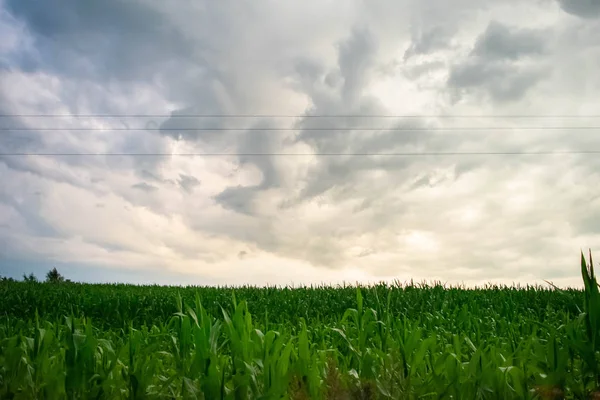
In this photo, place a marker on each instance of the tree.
(31, 278)
(53, 276)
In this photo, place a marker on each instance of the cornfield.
(84, 341)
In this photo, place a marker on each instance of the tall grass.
(388, 342)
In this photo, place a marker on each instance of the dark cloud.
(147, 175)
(265, 143)
(238, 199)
(144, 187)
(188, 182)
(501, 42)
(123, 42)
(105, 39)
(582, 8)
(339, 176)
(436, 38)
(332, 90)
(356, 58)
(493, 67)
(312, 71)
(502, 82)
(232, 136)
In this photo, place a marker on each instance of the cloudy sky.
(349, 140)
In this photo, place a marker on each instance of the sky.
(351, 141)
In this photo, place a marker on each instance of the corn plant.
(415, 341)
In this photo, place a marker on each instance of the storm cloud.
(504, 63)
(584, 8)
(271, 142)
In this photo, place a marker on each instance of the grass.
(79, 341)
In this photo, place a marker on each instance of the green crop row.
(386, 342)
(116, 306)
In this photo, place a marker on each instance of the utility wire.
(399, 154)
(471, 128)
(299, 116)
(292, 116)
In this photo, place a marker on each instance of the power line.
(199, 129)
(400, 154)
(293, 116)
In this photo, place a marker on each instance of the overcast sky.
(295, 215)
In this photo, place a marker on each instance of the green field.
(84, 341)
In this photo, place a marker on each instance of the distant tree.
(30, 278)
(53, 276)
